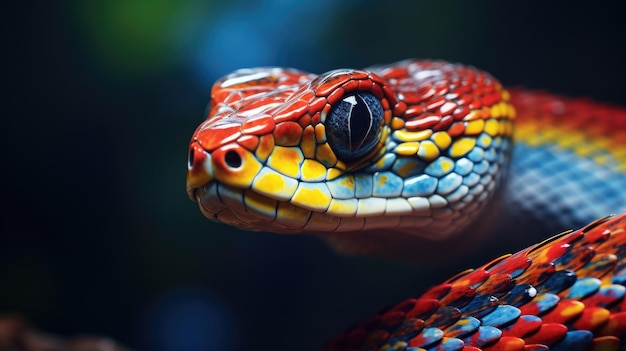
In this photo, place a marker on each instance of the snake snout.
(230, 164)
(199, 169)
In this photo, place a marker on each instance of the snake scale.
(406, 159)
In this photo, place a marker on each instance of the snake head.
(415, 147)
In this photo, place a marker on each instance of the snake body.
(404, 157)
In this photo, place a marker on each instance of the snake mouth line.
(249, 210)
(223, 203)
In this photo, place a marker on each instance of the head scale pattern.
(416, 146)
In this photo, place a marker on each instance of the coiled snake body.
(398, 160)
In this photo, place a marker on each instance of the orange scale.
(479, 91)
(443, 124)
(549, 253)
(485, 112)
(442, 88)
(492, 98)
(613, 244)
(422, 122)
(288, 134)
(437, 292)
(389, 93)
(365, 84)
(219, 136)
(577, 257)
(351, 85)
(327, 108)
(413, 111)
(548, 334)
(476, 104)
(464, 89)
(317, 104)
(292, 112)
(523, 326)
(605, 343)
(423, 93)
(472, 279)
(257, 104)
(616, 326)
(329, 84)
(258, 125)
(506, 343)
(555, 250)
(387, 116)
(536, 273)
(423, 309)
(376, 79)
(334, 96)
(411, 98)
(385, 104)
(443, 317)
(456, 129)
(320, 133)
(436, 103)
(265, 148)
(305, 121)
(308, 143)
(591, 318)
(471, 77)
(400, 108)
(596, 237)
(564, 311)
(316, 119)
(307, 94)
(358, 75)
(377, 90)
(599, 266)
(512, 265)
(459, 294)
(222, 95)
(496, 284)
(447, 108)
(486, 84)
(250, 142)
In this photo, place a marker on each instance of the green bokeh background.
(100, 99)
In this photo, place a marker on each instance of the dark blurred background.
(100, 99)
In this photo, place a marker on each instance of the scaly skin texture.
(265, 158)
(566, 293)
(268, 158)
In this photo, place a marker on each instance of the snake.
(408, 159)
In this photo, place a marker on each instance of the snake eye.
(353, 125)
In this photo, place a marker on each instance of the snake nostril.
(232, 159)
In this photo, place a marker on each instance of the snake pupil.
(361, 125)
(232, 159)
(353, 125)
